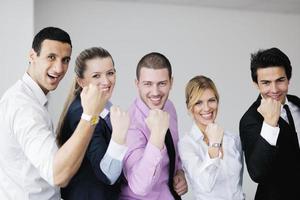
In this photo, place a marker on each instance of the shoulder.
(294, 99)
(251, 114)
(232, 136)
(170, 108)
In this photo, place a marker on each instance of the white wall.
(213, 42)
(16, 19)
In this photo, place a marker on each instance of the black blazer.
(89, 183)
(276, 169)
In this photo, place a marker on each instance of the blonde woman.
(212, 158)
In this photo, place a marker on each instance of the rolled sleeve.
(270, 133)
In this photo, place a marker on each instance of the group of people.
(100, 151)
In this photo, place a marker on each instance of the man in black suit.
(269, 128)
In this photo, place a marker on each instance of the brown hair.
(154, 60)
(80, 67)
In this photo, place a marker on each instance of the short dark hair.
(270, 58)
(51, 33)
(154, 60)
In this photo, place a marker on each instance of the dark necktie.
(172, 155)
(107, 120)
(291, 123)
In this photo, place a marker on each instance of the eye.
(162, 84)
(198, 103)
(96, 76)
(51, 57)
(147, 83)
(265, 83)
(212, 100)
(66, 60)
(111, 73)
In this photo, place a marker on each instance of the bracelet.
(215, 145)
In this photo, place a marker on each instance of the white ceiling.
(276, 6)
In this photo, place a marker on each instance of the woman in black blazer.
(99, 176)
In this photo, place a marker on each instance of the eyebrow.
(280, 78)
(112, 69)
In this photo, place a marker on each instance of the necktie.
(107, 120)
(171, 153)
(291, 123)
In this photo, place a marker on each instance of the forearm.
(68, 158)
(111, 164)
(143, 168)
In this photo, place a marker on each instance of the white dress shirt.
(27, 144)
(270, 133)
(212, 178)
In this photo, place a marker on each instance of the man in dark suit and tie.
(269, 129)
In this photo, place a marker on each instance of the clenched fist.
(214, 133)
(158, 124)
(92, 100)
(120, 123)
(270, 109)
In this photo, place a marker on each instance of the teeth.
(53, 76)
(207, 116)
(105, 89)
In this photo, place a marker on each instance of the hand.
(214, 133)
(92, 100)
(158, 124)
(179, 183)
(120, 123)
(270, 109)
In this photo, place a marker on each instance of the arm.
(199, 165)
(259, 153)
(111, 164)
(110, 158)
(142, 163)
(68, 158)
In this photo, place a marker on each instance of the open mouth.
(53, 77)
(207, 116)
(155, 100)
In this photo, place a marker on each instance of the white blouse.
(212, 178)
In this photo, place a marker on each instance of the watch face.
(94, 120)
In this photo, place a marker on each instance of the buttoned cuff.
(270, 133)
(116, 151)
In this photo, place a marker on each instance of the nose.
(155, 90)
(104, 80)
(274, 88)
(205, 106)
(59, 67)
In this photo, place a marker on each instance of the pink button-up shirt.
(146, 168)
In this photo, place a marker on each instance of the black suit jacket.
(89, 183)
(276, 169)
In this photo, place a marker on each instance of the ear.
(136, 83)
(80, 82)
(32, 55)
(171, 82)
(256, 85)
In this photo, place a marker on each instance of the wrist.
(215, 144)
(92, 119)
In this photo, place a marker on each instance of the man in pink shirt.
(152, 166)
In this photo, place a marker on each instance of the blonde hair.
(80, 67)
(195, 88)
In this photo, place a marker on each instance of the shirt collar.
(36, 90)
(196, 133)
(106, 110)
